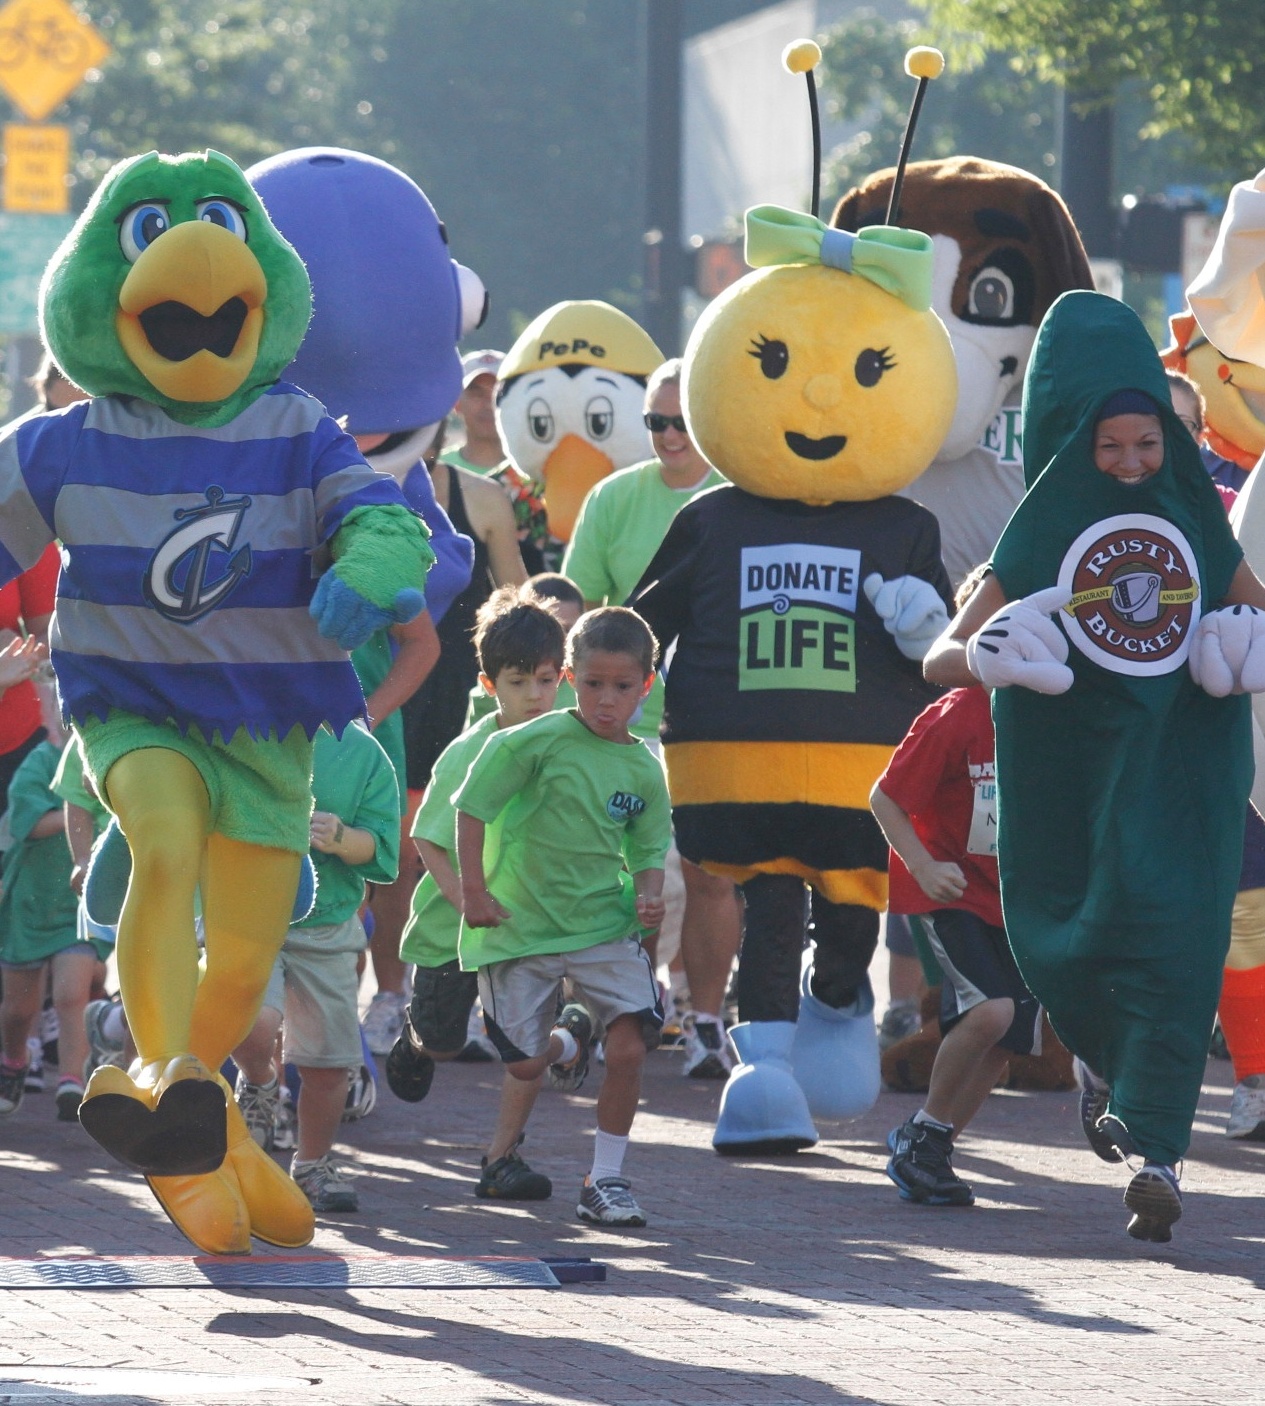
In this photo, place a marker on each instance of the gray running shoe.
(900, 1020)
(609, 1201)
(258, 1103)
(326, 1186)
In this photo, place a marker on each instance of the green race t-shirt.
(68, 783)
(352, 778)
(574, 810)
(458, 460)
(430, 936)
(622, 523)
(38, 907)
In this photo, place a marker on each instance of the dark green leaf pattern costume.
(1120, 802)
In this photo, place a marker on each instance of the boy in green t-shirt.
(38, 930)
(520, 647)
(355, 835)
(562, 828)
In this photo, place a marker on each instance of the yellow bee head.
(824, 375)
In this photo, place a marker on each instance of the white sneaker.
(1247, 1110)
(707, 1052)
(384, 1020)
(609, 1201)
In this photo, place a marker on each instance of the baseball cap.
(480, 363)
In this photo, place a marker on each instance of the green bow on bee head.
(897, 260)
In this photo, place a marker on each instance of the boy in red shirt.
(936, 803)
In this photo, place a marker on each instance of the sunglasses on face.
(656, 424)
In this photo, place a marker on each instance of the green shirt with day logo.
(578, 816)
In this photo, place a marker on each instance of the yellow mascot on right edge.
(802, 596)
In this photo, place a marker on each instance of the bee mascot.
(802, 596)
(223, 546)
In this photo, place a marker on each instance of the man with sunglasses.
(622, 523)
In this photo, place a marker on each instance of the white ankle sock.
(569, 1047)
(922, 1116)
(608, 1155)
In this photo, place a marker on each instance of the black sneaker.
(577, 1021)
(1095, 1095)
(922, 1168)
(12, 1088)
(1155, 1198)
(509, 1178)
(410, 1070)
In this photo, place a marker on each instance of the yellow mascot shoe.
(163, 1120)
(207, 1209)
(279, 1212)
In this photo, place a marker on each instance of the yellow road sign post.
(36, 163)
(45, 50)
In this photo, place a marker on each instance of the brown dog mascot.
(1005, 248)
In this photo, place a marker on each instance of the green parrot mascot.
(223, 545)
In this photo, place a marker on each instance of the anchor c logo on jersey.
(179, 583)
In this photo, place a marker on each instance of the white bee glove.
(911, 611)
(1021, 645)
(1227, 651)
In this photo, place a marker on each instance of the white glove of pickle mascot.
(802, 596)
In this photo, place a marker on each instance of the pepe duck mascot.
(801, 597)
(1234, 397)
(1005, 248)
(569, 404)
(223, 545)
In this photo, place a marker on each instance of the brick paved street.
(803, 1280)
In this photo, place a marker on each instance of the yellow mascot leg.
(170, 1117)
(248, 895)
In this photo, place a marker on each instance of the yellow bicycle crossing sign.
(46, 47)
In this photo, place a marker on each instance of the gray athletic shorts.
(520, 997)
(317, 992)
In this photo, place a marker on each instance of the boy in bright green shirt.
(562, 828)
(520, 647)
(355, 839)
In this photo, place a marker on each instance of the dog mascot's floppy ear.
(1005, 249)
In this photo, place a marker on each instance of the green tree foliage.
(1198, 66)
(249, 77)
(978, 109)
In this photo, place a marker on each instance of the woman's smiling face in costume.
(1129, 447)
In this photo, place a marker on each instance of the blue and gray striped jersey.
(189, 558)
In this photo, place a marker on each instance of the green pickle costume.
(1121, 802)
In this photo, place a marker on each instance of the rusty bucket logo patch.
(1135, 595)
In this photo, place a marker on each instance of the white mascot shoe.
(763, 1109)
(835, 1055)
